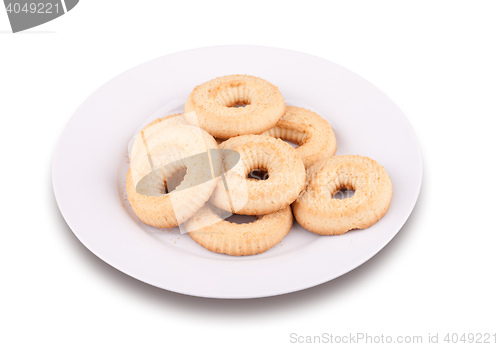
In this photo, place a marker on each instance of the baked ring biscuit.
(312, 133)
(316, 209)
(209, 230)
(215, 104)
(162, 149)
(242, 195)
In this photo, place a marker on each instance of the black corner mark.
(26, 14)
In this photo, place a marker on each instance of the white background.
(438, 60)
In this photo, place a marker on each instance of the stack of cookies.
(246, 130)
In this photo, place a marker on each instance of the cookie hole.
(233, 95)
(294, 138)
(293, 144)
(258, 174)
(240, 105)
(241, 219)
(343, 193)
(174, 181)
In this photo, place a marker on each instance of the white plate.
(91, 161)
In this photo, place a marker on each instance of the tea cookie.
(215, 103)
(172, 148)
(312, 133)
(221, 236)
(316, 209)
(241, 195)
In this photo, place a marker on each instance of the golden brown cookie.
(209, 230)
(316, 209)
(242, 195)
(312, 133)
(218, 102)
(162, 150)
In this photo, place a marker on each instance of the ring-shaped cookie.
(218, 102)
(222, 236)
(316, 209)
(309, 130)
(257, 197)
(151, 200)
